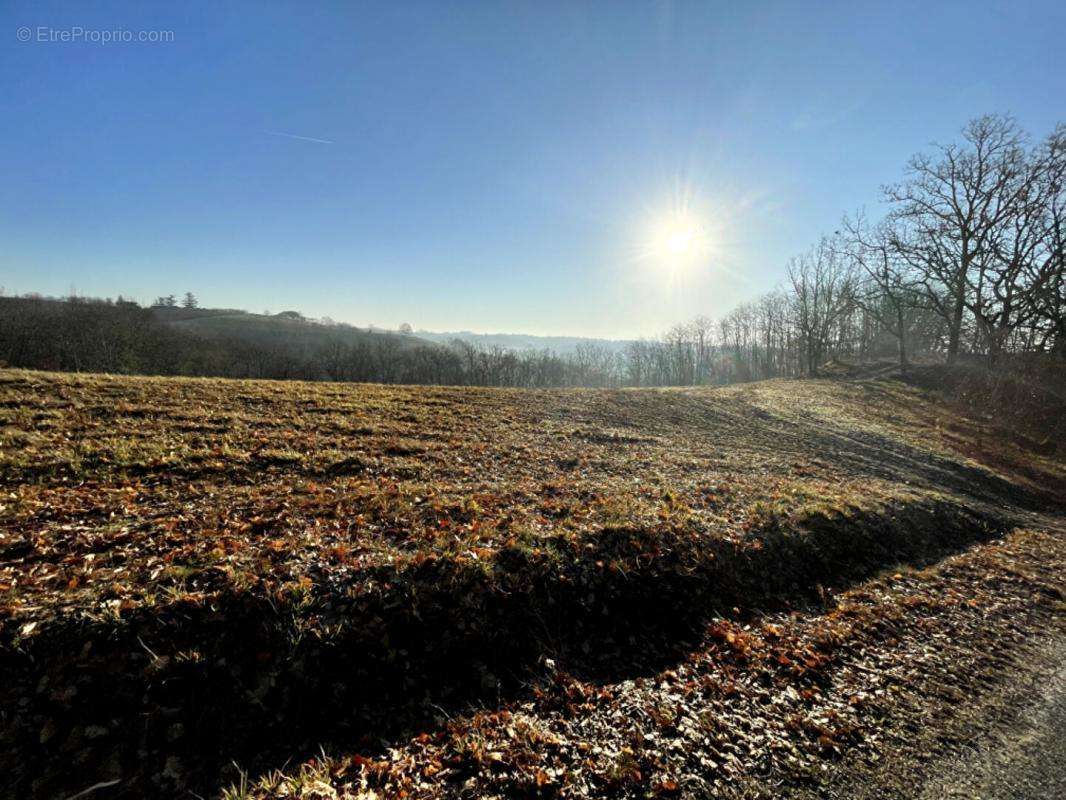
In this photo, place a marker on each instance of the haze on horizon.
(597, 170)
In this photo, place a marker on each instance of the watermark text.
(77, 33)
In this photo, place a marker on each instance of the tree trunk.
(955, 331)
(902, 339)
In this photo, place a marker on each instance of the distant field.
(197, 571)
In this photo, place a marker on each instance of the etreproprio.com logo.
(77, 33)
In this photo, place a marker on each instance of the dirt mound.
(1029, 401)
(184, 690)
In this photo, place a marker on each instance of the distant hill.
(288, 329)
(562, 345)
(80, 334)
(291, 329)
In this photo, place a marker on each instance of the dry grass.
(257, 544)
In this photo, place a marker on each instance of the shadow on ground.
(166, 702)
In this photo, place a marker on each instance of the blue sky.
(487, 166)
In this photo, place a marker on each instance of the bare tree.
(1049, 291)
(889, 291)
(823, 289)
(947, 211)
(1021, 258)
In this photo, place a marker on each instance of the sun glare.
(676, 240)
(679, 239)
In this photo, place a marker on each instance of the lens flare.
(682, 240)
(679, 239)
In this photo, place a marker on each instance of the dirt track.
(1022, 758)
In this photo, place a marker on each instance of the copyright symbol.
(24, 34)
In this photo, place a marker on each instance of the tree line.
(967, 261)
(120, 336)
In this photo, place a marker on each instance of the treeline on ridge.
(100, 335)
(966, 263)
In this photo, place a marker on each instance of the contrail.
(301, 138)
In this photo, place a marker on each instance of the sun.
(679, 239)
(676, 242)
(682, 240)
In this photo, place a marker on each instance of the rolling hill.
(366, 591)
(563, 345)
(288, 329)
